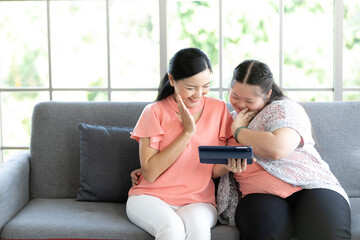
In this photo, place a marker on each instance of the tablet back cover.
(220, 154)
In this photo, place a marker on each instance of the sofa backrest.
(55, 153)
(336, 128)
(55, 142)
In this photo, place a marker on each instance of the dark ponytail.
(165, 89)
(185, 63)
(256, 73)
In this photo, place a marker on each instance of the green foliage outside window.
(249, 31)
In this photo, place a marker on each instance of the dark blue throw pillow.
(107, 156)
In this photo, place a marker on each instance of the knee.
(171, 229)
(261, 234)
(266, 231)
(198, 220)
(265, 227)
(198, 232)
(324, 233)
(323, 220)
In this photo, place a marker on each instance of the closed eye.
(235, 97)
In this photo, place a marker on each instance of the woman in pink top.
(175, 198)
(289, 191)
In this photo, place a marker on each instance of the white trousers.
(163, 221)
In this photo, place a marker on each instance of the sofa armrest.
(14, 186)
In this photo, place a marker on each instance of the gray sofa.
(38, 188)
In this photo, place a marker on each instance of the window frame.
(338, 89)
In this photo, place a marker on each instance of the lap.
(165, 221)
(264, 216)
(152, 213)
(321, 214)
(309, 214)
(198, 214)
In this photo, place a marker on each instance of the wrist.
(236, 134)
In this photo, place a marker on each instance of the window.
(118, 50)
(249, 32)
(308, 54)
(351, 50)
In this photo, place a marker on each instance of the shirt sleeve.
(148, 126)
(231, 139)
(225, 124)
(289, 114)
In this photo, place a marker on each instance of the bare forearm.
(219, 170)
(160, 162)
(260, 141)
(270, 145)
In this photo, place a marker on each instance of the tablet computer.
(220, 154)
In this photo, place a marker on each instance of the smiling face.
(191, 89)
(247, 96)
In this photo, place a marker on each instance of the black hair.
(185, 63)
(256, 73)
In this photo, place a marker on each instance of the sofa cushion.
(103, 152)
(70, 219)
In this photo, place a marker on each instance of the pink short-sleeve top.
(186, 180)
(256, 180)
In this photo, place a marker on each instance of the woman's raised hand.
(242, 119)
(186, 117)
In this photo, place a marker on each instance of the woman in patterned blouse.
(289, 191)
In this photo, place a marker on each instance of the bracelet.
(237, 132)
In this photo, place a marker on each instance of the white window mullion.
(108, 49)
(221, 45)
(338, 49)
(49, 48)
(163, 37)
(281, 37)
